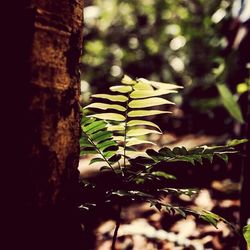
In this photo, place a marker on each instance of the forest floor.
(145, 228)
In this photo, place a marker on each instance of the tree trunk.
(245, 176)
(45, 141)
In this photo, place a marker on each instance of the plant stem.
(118, 222)
(125, 136)
(99, 151)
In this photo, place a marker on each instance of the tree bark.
(44, 144)
(245, 176)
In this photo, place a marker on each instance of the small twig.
(118, 222)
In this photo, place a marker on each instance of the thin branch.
(118, 223)
(98, 150)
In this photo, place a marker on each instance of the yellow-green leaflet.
(140, 113)
(149, 102)
(121, 89)
(142, 122)
(113, 98)
(118, 138)
(148, 93)
(143, 86)
(160, 85)
(127, 80)
(141, 131)
(115, 128)
(134, 154)
(104, 106)
(109, 117)
(136, 141)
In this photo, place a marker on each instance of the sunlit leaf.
(104, 106)
(236, 142)
(246, 233)
(141, 113)
(116, 128)
(141, 131)
(127, 80)
(149, 102)
(136, 141)
(109, 117)
(113, 98)
(160, 85)
(137, 94)
(118, 138)
(134, 154)
(143, 86)
(121, 89)
(142, 122)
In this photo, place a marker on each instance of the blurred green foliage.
(177, 41)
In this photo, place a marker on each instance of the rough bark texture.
(45, 178)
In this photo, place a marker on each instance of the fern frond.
(136, 96)
(98, 141)
(192, 156)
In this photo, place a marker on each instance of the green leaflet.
(101, 136)
(141, 131)
(109, 117)
(142, 122)
(137, 94)
(246, 234)
(141, 113)
(127, 80)
(193, 155)
(236, 142)
(136, 141)
(160, 85)
(121, 89)
(86, 120)
(88, 152)
(104, 106)
(106, 144)
(113, 98)
(84, 142)
(210, 217)
(94, 127)
(109, 154)
(164, 175)
(94, 160)
(229, 102)
(149, 102)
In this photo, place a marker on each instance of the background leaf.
(229, 102)
(246, 234)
